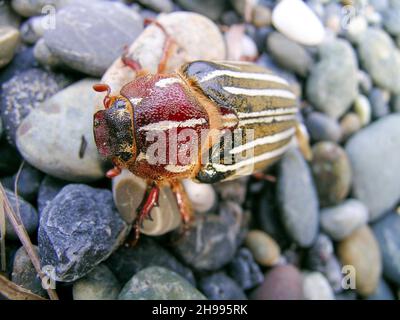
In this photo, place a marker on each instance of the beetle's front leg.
(183, 201)
(150, 201)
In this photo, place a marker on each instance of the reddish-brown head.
(113, 127)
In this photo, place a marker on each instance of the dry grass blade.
(24, 238)
(2, 235)
(14, 292)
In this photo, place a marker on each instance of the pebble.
(316, 287)
(48, 190)
(362, 107)
(99, 284)
(391, 21)
(364, 82)
(44, 56)
(28, 182)
(263, 247)
(212, 240)
(9, 158)
(79, 229)
(332, 172)
(298, 199)
(340, 221)
(219, 286)
(209, 8)
(126, 261)
(396, 103)
(7, 16)
(233, 190)
(24, 273)
(361, 251)
(157, 283)
(128, 193)
(61, 127)
(27, 213)
(28, 8)
(262, 16)
(329, 88)
(289, 54)
(158, 5)
(281, 283)
(25, 92)
(323, 128)
(383, 292)
(321, 258)
(244, 270)
(387, 233)
(90, 36)
(9, 38)
(202, 196)
(33, 29)
(350, 124)
(381, 59)
(239, 45)
(379, 100)
(355, 28)
(374, 154)
(295, 20)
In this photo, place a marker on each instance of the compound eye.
(120, 104)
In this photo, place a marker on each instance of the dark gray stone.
(88, 37)
(219, 286)
(126, 262)
(8, 16)
(9, 158)
(158, 5)
(387, 231)
(379, 100)
(297, 198)
(383, 292)
(79, 229)
(48, 190)
(374, 154)
(323, 128)
(210, 8)
(25, 92)
(244, 270)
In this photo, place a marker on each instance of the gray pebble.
(48, 190)
(383, 292)
(209, 8)
(7, 16)
(391, 21)
(322, 128)
(9, 39)
(219, 286)
(379, 100)
(158, 5)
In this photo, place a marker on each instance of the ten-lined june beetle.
(195, 123)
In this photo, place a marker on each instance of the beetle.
(218, 98)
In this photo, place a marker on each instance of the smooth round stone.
(261, 16)
(350, 124)
(27, 213)
(289, 54)
(362, 108)
(25, 92)
(8, 16)
(383, 292)
(158, 5)
(298, 199)
(330, 88)
(211, 241)
(24, 273)
(147, 49)
(79, 229)
(244, 270)
(62, 129)
(387, 233)
(340, 221)
(48, 190)
(28, 8)
(127, 261)
(230, 17)
(28, 182)
(44, 56)
(355, 28)
(233, 190)
(239, 45)
(364, 81)
(219, 286)
(361, 251)
(323, 128)
(264, 248)
(86, 38)
(321, 258)
(379, 5)
(374, 154)
(296, 20)
(244, 7)
(316, 287)
(157, 283)
(380, 58)
(202, 196)
(281, 283)
(396, 103)
(128, 193)
(9, 38)
(331, 14)
(379, 100)
(99, 284)
(209, 8)
(332, 172)
(391, 21)
(33, 29)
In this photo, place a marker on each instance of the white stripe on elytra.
(252, 161)
(243, 75)
(177, 169)
(279, 93)
(166, 125)
(166, 82)
(267, 119)
(135, 101)
(268, 112)
(280, 136)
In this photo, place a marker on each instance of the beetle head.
(113, 127)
